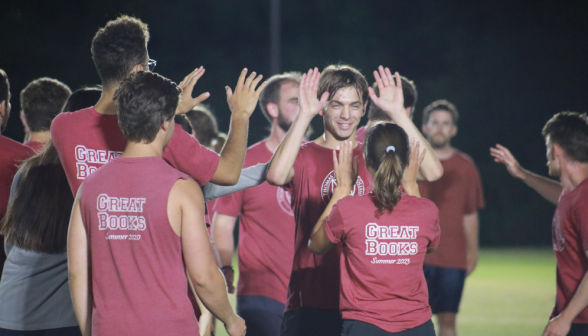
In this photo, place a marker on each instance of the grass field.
(511, 293)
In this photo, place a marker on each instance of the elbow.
(275, 179)
(315, 248)
(434, 174)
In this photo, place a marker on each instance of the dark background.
(508, 66)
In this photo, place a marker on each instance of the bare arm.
(409, 178)
(187, 203)
(548, 188)
(224, 245)
(78, 255)
(205, 321)
(470, 225)
(391, 101)
(281, 171)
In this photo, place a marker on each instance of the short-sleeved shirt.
(382, 280)
(87, 139)
(37, 146)
(266, 233)
(457, 193)
(360, 134)
(570, 243)
(314, 281)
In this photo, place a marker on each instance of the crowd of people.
(118, 210)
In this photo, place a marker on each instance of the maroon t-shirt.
(314, 281)
(37, 146)
(457, 193)
(382, 280)
(266, 233)
(86, 140)
(360, 134)
(570, 243)
(139, 284)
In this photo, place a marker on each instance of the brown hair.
(570, 131)
(336, 77)
(440, 105)
(4, 86)
(409, 92)
(38, 216)
(41, 101)
(271, 93)
(387, 162)
(204, 124)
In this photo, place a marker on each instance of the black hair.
(41, 101)
(570, 131)
(82, 98)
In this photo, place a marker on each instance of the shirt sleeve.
(334, 226)
(250, 177)
(229, 205)
(187, 155)
(580, 217)
(474, 195)
(435, 234)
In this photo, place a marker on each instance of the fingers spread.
(385, 78)
(241, 80)
(378, 80)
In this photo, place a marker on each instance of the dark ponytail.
(386, 152)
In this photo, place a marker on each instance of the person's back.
(139, 283)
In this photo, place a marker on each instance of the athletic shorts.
(445, 288)
(578, 329)
(67, 331)
(359, 328)
(263, 316)
(312, 322)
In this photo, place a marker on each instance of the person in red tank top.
(306, 172)
(384, 237)
(134, 237)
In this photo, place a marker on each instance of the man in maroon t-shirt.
(12, 153)
(458, 195)
(266, 230)
(40, 102)
(306, 171)
(376, 114)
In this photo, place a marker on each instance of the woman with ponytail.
(384, 237)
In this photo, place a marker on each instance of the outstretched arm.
(281, 171)
(250, 177)
(224, 245)
(391, 101)
(548, 188)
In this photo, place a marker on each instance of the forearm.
(411, 189)
(471, 228)
(213, 293)
(233, 154)
(82, 302)
(222, 234)
(578, 303)
(319, 243)
(548, 188)
(280, 167)
(205, 321)
(249, 177)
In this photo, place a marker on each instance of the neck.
(276, 136)
(43, 136)
(573, 173)
(445, 152)
(106, 103)
(328, 140)
(137, 149)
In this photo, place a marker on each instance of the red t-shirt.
(86, 140)
(314, 281)
(360, 134)
(457, 193)
(570, 243)
(37, 146)
(266, 233)
(139, 283)
(12, 153)
(382, 280)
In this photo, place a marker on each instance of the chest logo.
(330, 182)
(558, 238)
(284, 200)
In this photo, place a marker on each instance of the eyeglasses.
(151, 64)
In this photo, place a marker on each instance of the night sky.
(507, 66)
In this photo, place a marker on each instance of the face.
(553, 162)
(288, 105)
(5, 112)
(343, 113)
(440, 129)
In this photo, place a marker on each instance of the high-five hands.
(309, 104)
(414, 164)
(502, 155)
(186, 101)
(346, 168)
(391, 99)
(244, 98)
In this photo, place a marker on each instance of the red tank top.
(139, 282)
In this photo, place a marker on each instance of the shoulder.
(463, 158)
(64, 121)
(422, 205)
(15, 150)
(186, 190)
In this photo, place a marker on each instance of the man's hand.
(186, 101)
(391, 99)
(236, 327)
(414, 164)
(558, 326)
(245, 97)
(502, 155)
(346, 169)
(472, 261)
(229, 275)
(308, 101)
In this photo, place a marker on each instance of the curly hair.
(41, 101)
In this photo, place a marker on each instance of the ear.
(272, 110)
(425, 129)
(454, 131)
(137, 68)
(23, 119)
(558, 152)
(364, 109)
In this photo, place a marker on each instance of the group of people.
(119, 209)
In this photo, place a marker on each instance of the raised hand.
(245, 97)
(391, 99)
(414, 164)
(346, 168)
(502, 155)
(310, 105)
(187, 102)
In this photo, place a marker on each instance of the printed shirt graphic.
(382, 280)
(139, 282)
(86, 140)
(457, 193)
(266, 233)
(314, 281)
(570, 243)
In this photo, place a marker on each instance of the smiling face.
(343, 113)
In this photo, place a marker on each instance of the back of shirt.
(138, 276)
